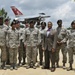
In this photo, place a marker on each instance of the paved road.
(39, 71)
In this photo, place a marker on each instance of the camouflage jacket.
(21, 32)
(31, 37)
(13, 38)
(70, 37)
(2, 36)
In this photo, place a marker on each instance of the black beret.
(31, 22)
(6, 20)
(13, 23)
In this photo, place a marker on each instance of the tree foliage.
(4, 13)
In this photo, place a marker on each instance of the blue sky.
(57, 9)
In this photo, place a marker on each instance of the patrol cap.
(6, 20)
(13, 23)
(73, 22)
(31, 22)
(59, 21)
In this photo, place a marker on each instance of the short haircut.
(73, 22)
(43, 23)
(59, 21)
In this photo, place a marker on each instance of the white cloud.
(23, 1)
(63, 11)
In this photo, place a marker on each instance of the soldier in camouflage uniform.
(42, 32)
(13, 44)
(38, 25)
(24, 48)
(7, 27)
(61, 36)
(71, 44)
(60, 30)
(31, 41)
(3, 43)
(20, 49)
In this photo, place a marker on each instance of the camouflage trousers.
(3, 53)
(64, 52)
(71, 51)
(31, 53)
(7, 51)
(21, 52)
(13, 55)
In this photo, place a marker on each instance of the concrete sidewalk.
(23, 71)
(38, 71)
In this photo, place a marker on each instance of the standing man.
(38, 25)
(13, 44)
(6, 23)
(24, 48)
(3, 44)
(26, 24)
(7, 27)
(63, 31)
(31, 41)
(71, 44)
(42, 31)
(20, 49)
(49, 47)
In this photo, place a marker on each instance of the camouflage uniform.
(60, 34)
(31, 40)
(3, 43)
(7, 27)
(13, 44)
(42, 32)
(24, 50)
(20, 49)
(71, 44)
(38, 26)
